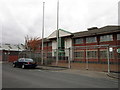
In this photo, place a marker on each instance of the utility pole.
(57, 35)
(43, 32)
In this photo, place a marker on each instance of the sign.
(118, 50)
(110, 49)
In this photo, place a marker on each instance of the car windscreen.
(28, 60)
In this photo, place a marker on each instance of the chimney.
(92, 28)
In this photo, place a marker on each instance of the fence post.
(42, 59)
(86, 60)
(57, 56)
(69, 61)
(108, 57)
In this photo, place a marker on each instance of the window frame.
(104, 38)
(78, 41)
(91, 41)
(118, 36)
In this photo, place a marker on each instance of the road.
(37, 78)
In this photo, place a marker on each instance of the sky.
(19, 18)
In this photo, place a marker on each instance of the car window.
(21, 60)
(28, 60)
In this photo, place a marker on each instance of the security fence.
(94, 57)
(97, 57)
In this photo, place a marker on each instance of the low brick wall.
(91, 66)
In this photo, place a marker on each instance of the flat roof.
(98, 31)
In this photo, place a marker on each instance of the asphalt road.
(37, 78)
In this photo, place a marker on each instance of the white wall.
(53, 46)
(61, 34)
(68, 44)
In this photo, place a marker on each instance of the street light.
(43, 32)
(57, 34)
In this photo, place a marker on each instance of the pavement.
(55, 68)
(88, 73)
(114, 75)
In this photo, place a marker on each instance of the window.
(49, 54)
(61, 44)
(91, 39)
(44, 54)
(28, 60)
(21, 60)
(79, 55)
(92, 54)
(106, 38)
(78, 41)
(118, 36)
(45, 44)
(50, 44)
(103, 54)
(118, 55)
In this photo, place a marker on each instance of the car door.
(20, 62)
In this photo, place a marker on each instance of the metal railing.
(94, 57)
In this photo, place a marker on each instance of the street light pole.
(57, 34)
(43, 32)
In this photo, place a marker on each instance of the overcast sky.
(19, 18)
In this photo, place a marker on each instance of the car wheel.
(23, 66)
(14, 65)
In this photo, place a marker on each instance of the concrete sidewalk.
(88, 73)
(55, 68)
(114, 75)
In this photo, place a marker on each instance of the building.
(10, 52)
(90, 46)
(65, 41)
(108, 36)
(97, 40)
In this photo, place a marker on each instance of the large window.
(103, 54)
(49, 54)
(45, 44)
(91, 39)
(79, 55)
(50, 44)
(106, 38)
(92, 54)
(118, 36)
(78, 41)
(118, 54)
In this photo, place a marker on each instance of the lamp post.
(57, 34)
(43, 33)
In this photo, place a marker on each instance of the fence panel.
(94, 57)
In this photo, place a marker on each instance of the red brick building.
(93, 39)
(97, 41)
